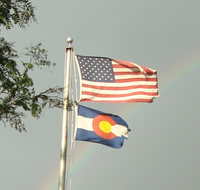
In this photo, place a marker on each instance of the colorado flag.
(96, 126)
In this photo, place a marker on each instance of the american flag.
(110, 80)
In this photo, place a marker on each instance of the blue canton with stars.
(96, 69)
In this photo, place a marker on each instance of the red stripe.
(119, 95)
(119, 101)
(128, 73)
(118, 65)
(123, 64)
(132, 69)
(135, 80)
(131, 65)
(119, 87)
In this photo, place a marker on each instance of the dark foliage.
(17, 90)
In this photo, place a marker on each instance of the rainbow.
(175, 75)
(51, 183)
(83, 154)
(186, 66)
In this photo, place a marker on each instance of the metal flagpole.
(63, 151)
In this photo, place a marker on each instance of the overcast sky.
(162, 151)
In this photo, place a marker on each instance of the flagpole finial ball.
(69, 40)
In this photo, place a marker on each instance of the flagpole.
(63, 151)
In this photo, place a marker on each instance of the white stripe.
(117, 98)
(134, 76)
(135, 65)
(86, 123)
(112, 84)
(118, 91)
(132, 70)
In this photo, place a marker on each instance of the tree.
(19, 12)
(17, 90)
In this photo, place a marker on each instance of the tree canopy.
(19, 12)
(17, 90)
